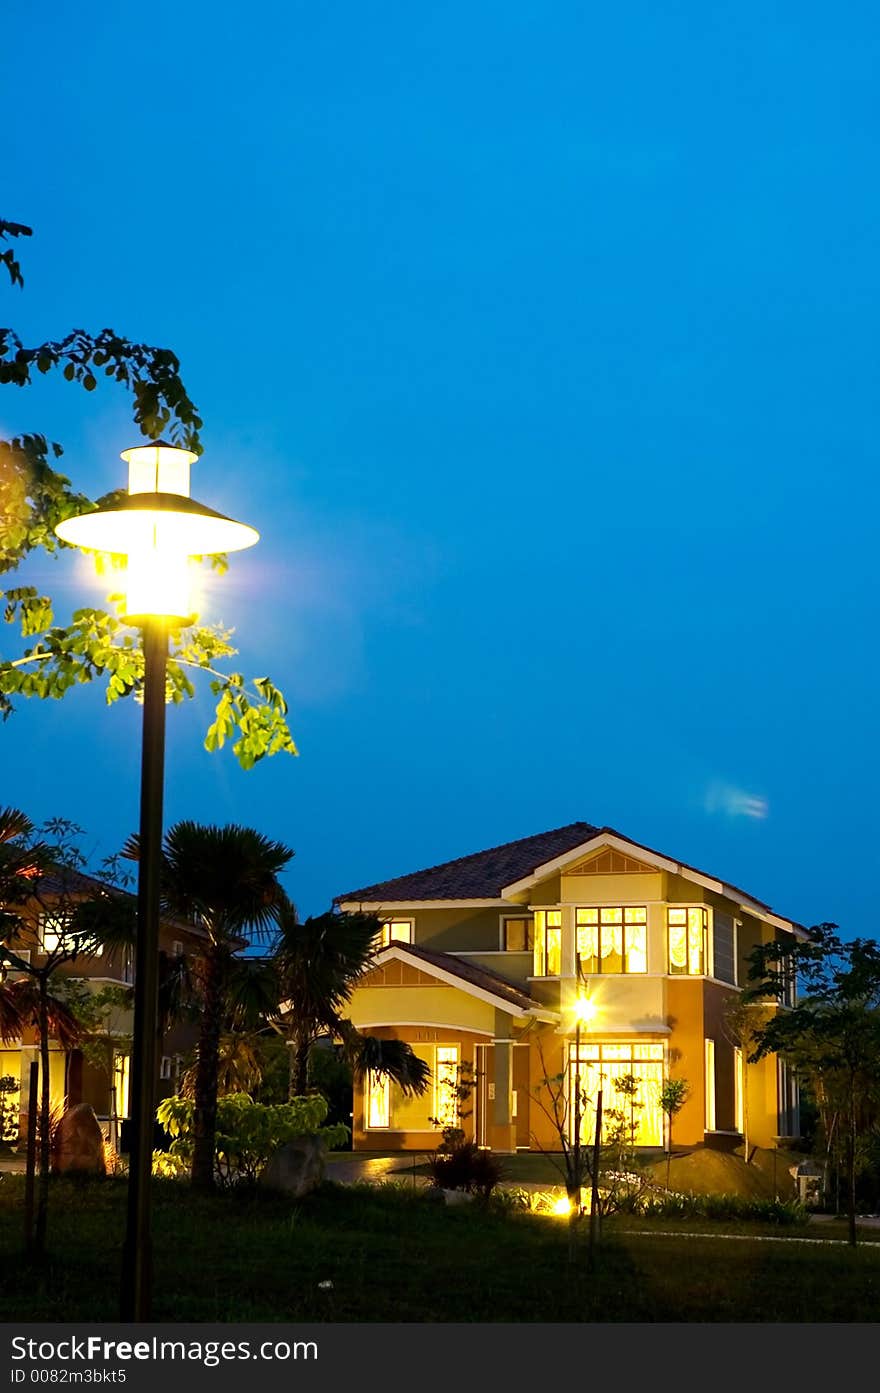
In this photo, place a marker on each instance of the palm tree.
(318, 963)
(223, 881)
(37, 880)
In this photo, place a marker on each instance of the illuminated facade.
(99, 1075)
(484, 962)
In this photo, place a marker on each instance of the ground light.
(157, 527)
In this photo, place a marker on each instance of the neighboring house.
(74, 1077)
(483, 959)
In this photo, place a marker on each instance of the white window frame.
(59, 918)
(449, 1103)
(709, 1084)
(515, 919)
(643, 925)
(737, 925)
(384, 939)
(377, 1083)
(540, 954)
(708, 946)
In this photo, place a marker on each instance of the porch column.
(502, 1131)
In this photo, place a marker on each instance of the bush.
(721, 1208)
(462, 1165)
(248, 1133)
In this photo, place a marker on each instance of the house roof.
(59, 881)
(480, 876)
(488, 875)
(470, 975)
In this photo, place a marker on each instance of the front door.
(521, 1096)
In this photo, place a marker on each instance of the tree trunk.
(299, 1065)
(851, 1170)
(207, 1058)
(669, 1150)
(45, 1113)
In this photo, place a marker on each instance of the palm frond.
(393, 1059)
(11, 1020)
(63, 1024)
(222, 878)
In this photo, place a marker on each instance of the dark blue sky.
(540, 343)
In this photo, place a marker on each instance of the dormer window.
(395, 931)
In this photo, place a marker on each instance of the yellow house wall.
(611, 889)
(549, 891)
(515, 967)
(456, 928)
(632, 1004)
(547, 1058)
(420, 1005)
(686, 1055)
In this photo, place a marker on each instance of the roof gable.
(454, 972)
(608, 861)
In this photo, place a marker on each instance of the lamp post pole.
(137, 1252)
(157, 526)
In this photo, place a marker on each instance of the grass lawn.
(393, 1255)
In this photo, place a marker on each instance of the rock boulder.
(78, 1144)
(296, 1168)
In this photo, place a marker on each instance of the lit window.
(177, 948)
(55, 935)
(548, 942)
(710, 1085)
(612, 938)
(446, 1086)
(395, 931)
(518, 935)
(378, 1100)
(609, 1068)
(688, 940)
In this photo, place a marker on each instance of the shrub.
(248, 1133)
(462, 1165)
(721, 1208)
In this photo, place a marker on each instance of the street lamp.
(584, 1011)
(158, 527)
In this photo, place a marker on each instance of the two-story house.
(576, 951)
(97, 1073)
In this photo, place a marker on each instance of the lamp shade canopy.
(157, 527)
(158, 512)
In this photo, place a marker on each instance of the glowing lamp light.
(562, 1207)
(157, 527)
(584, 1009)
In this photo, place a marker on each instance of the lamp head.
(584, 1009)
(157, 527)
